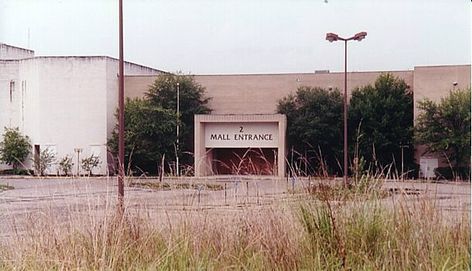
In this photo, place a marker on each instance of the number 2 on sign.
(240, 129)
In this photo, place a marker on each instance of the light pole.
(402, 147)
(334, 37)
(178, 131)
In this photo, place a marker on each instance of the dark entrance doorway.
(244, 161)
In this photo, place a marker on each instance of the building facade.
(247, 95)
(67, 104)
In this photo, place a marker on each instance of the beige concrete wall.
(435, 83)
(136, 86)
(259, 93)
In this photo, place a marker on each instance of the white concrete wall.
(64, 105)
(29, 120)
(9, 97)
(10, 92)
(73, 106)
(12, 52)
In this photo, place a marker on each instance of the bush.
(448, 173)
(15, 147)
(89, 163)
(17, 171)
(65, 165)
(46, 159)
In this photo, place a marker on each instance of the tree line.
(381, 131)
(380, 125)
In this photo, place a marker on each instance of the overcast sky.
(238, 36)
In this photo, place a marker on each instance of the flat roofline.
(16, 47)
(95, 57)
(442, 66)
(299, 73)
(314, 73)
(336, 72)
(10, 60)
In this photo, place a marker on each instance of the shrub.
(17, 171)
(44, 161)
(89, 163)
(449, 173)
(65, 165)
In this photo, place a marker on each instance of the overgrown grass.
(366, 186)
(313, 235)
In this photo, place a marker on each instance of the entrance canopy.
(240, 144)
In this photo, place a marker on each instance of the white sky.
(246, 36)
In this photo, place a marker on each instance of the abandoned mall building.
(68, 103)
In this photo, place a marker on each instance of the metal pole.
(121, 114)
(334, 37)
(403, 172)
(178, 130)
(345, 114)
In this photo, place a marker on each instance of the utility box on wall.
(427, 167)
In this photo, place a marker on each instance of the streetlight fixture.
(178, 131)
(334, 37)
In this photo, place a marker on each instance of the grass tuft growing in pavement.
(4, 187)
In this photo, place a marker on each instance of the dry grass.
(312, 235)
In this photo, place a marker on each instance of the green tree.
(192, 100)
(149, 134)
(314, 127)
(151, 123)
(381, 121)
(15, 147)
(444, 127)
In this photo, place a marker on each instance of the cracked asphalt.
(61, 197)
